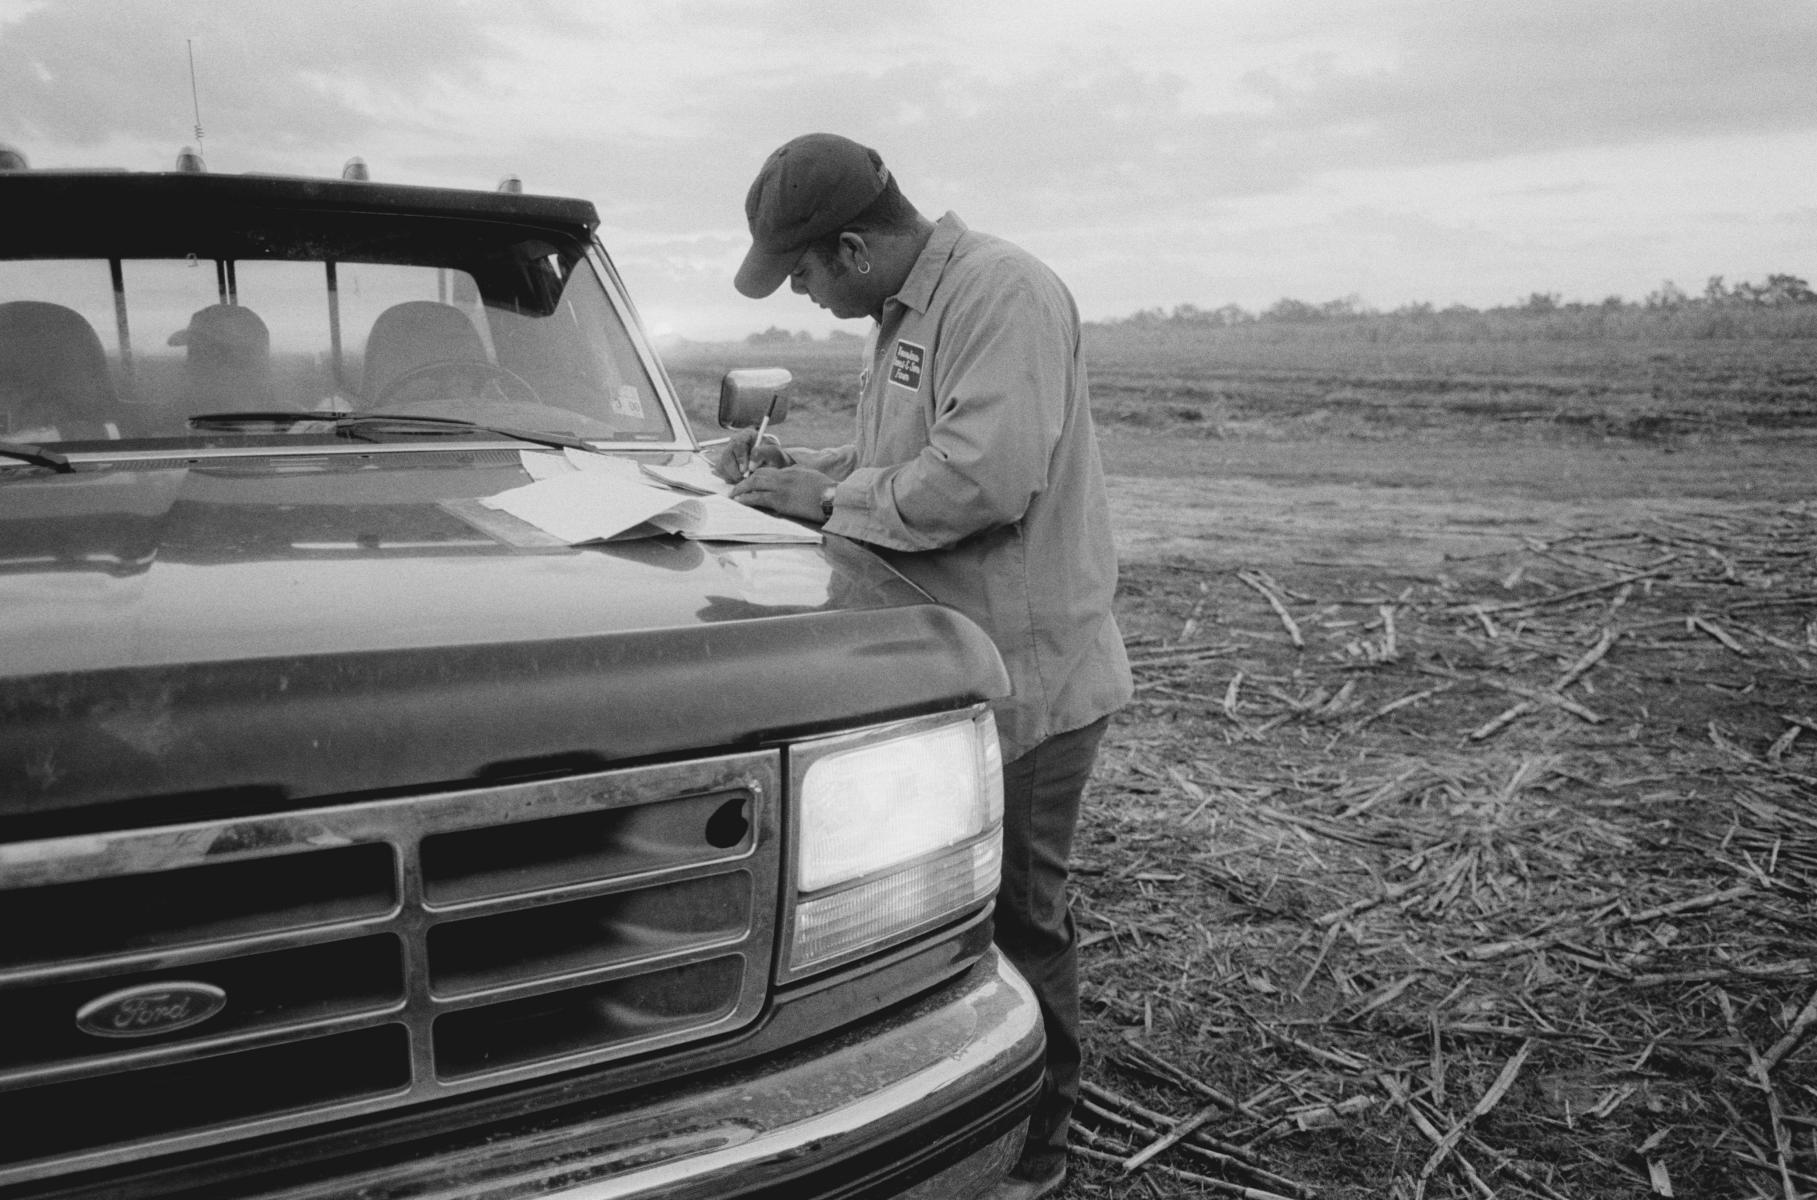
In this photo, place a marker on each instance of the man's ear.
(853, 251)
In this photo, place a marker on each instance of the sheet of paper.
(583, 506)
(547, 464)
(695, 475)
(544, 464)
(718, 519)
(609, 464)
(613, 499)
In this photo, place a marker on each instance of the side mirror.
(747, 394)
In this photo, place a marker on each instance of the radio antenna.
(194, 98)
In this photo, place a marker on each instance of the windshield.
(205, 337)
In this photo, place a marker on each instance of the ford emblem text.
(149, 1009)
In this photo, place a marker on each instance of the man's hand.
(789, 491)
(739, 455)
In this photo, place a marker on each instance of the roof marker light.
(511, 184)
(12, 159)
(355, 169)
(189, 162)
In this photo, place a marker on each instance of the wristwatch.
(826, 502)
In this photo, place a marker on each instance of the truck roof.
(37, 198)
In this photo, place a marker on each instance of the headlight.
(897, 829)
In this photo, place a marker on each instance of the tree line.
(1783, 305)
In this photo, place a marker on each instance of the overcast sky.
(1155, 152)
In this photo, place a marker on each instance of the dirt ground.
(1214, 853)
(1461, 839)
(1416, 505)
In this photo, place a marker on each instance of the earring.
(864, 268)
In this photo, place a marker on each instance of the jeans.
(1041, 796)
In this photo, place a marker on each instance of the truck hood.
(324, 625)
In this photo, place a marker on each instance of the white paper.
(547, 464)
(583, 506)
(695, 475)
(543, 464)
(601, 503)
(609, 464)
(718, 519)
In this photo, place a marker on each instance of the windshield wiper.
(37, 455)
(352, 423)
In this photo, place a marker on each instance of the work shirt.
(976, 474)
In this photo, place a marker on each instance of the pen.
(750, 462)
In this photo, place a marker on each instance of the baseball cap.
(225, 333)
(808, 188)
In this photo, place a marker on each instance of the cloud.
(1117, 116)
(660, 111)
(1481, 81)
(270, 79)
(1157, 151)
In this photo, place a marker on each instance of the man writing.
(975, 473)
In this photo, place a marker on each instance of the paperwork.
(695, 475)
(605, 499)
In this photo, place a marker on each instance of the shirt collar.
(918, 289)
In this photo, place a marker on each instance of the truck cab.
(358, 838)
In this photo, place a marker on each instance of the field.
(1462, 838)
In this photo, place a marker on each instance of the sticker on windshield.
(628, 403)
(905, 365)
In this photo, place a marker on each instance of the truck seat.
(54, 382)
(412, 335)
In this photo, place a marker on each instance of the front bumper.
(930, 1099)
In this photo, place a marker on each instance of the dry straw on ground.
(1501, 882)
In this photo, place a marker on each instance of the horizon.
(1156, 154)
(1669, 297)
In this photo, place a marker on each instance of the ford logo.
(150, 1008)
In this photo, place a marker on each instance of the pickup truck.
(360, 839)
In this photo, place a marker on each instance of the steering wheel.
(481, 371)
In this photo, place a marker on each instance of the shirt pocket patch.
(906, 360)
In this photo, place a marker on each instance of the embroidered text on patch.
(905, 365)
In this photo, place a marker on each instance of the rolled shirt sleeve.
(835, 463)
